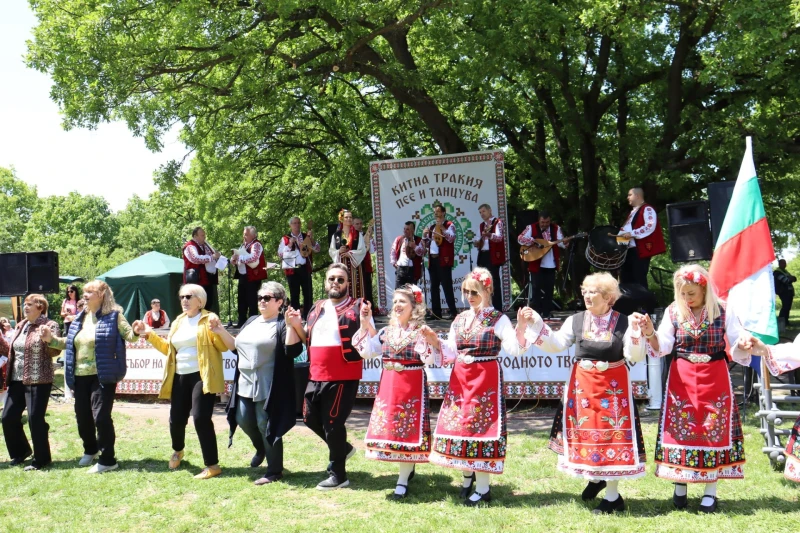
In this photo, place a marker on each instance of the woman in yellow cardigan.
(192, 377)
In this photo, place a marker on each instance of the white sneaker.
(87, 460)
(99, 469)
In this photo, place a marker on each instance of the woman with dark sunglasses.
(193, 375)
(263, 396)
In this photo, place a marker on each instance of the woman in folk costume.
(700, 432)
(471, 431)
(779, 360)
(400, 427)
(348, 247)
(596, 431)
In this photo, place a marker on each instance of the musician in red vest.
(441, 257)
(251, 271)
(156, 317)
(296, 267)
(543, 271)
(491, 245)
(199, 267)
(369, 244)
(646, 239)
(407, 269)
(335, 369)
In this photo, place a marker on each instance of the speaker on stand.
(14, 278)
(43, 272)
(689, 231)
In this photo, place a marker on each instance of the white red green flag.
(741, 269)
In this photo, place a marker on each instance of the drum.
(603, 251)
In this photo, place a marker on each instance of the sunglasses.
(185, 296)
(266, 298)
(469, 293)
(337, 280)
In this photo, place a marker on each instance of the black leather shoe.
(607, 507)
(257, 459)
(465, 491)
(17, 461)
(397, 497)
(709, 508)
(482, 498)
(333, 483)
(592, 489)
(413, 473)
(680, 502)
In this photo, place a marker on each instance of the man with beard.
(335, 369)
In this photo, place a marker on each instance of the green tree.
(18, 202)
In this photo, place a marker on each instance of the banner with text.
(406, 189)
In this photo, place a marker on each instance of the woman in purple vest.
(94, 363)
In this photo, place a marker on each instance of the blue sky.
(108, 161)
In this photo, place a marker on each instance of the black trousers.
(247, 299)
(93, 404)
(326, 407)
(441, 276)
(404, 276)
(368, 288)
(786, 305)
(188, 398)
(634, 269)
(34, 398)
(253, 420)
(485, 261)
(212, 298)
(543, 282)
(299, 282)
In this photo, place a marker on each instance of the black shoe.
(709, 508)
(397, 497)
(465, 491)
(592, 490)
(17, 461)
(333, 483)
(607, 507)
(34, 466)
(350, 453)
(413, 473)
(680, 502)
(257, 459)
(482, 498)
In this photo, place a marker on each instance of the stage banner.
(406, 189)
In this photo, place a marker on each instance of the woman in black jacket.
(262, 399)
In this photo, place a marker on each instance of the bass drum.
(603, 251)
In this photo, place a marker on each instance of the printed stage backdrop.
(535, 374)
(405, 189)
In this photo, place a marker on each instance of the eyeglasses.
(589, 292)
(155, 303)
(185, 296)
(469, 293)
(265, 298)
(337, 280)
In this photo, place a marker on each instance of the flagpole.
(749, 143)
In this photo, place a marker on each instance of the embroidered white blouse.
(783, 358)
(503, 329)
(372, 347)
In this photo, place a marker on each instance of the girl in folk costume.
(596, 430)
(348, 247)
(779, 360)
(471, 431)
(400, 427)
(700, 432)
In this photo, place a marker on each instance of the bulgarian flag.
(741, 269)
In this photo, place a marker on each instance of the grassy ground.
(144, 496)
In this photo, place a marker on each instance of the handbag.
(192, 276)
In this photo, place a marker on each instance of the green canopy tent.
(152, 275)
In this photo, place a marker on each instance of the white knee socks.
(612, 491)
(466, 481)
(481, 485)
(709, 494)
(402, 479)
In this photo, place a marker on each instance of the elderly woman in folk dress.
(700, 434)
(400, 428)
(471, 431)
(596, 431)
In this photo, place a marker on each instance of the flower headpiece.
(483, 277)
(695, 277)
(341, 214)
(417, 292)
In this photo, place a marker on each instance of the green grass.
(144, 496)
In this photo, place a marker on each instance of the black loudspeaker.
(331, 230)
(689, 231)
(635, 299)
(13, 274)
(525, 218)
(719, 197)
(43, 272)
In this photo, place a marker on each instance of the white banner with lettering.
(406, 189)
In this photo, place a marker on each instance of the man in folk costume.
(441, 254)
(543, 271)
(369, 244)
(199, 267)
(348, 247)
(334, 372)
(646, 239)
(596, 431)
(406, 256)
(251, 270)
(491, 245)
(296, 267)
